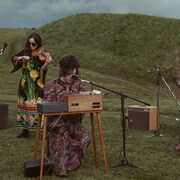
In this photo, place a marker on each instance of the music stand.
(123, 161)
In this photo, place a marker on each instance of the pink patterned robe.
(68, 139)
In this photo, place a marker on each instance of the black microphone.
(4, 47)
(5, 44)
(156, 68)
(75, 77)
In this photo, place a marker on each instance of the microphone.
(75, 77)
(157, 70)
(5, 44)
(4, 47)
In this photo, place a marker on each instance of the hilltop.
(120, 45)
(125, 46)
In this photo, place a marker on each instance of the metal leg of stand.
(156, 132)
(124, 161)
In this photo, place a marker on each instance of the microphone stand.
(170, 91)
(124, 160)
(159, 75)
(156, 132)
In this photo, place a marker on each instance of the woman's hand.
(48, 59)
(25, 58)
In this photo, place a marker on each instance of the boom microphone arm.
(75, 77)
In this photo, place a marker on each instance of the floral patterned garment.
(68, 139)
(30, 92)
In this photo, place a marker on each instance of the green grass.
(117, 52)
(120, 45)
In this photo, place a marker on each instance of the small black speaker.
(3, 116)
(32, 168)
(142, 118)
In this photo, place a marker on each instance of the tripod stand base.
(156, 133)
(124, 162)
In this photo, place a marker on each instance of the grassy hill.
(119, 45)
(117, 52)
(126, 46)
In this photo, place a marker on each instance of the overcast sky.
(35, 13)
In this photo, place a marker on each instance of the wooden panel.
(81, 102)
(154, 125)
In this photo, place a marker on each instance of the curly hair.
(68, 63)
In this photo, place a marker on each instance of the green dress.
(30, 92)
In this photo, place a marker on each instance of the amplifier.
(142, 118)
(52, 107)
(83, 102)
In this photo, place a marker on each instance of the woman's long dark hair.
(37, 40)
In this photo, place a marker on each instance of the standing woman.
(34, 62)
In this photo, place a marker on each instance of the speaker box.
(32, 168)
(3, 116)
(142, 118)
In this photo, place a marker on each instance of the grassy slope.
(117, 52)
(120, 45)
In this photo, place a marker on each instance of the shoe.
(24, 134)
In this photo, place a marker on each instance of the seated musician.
(68, 139)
